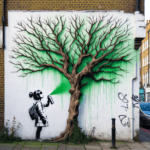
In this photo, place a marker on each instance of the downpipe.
(131, 105)
(137, 5)
(3, 20)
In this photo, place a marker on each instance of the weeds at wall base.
(7, 135)
(137, 138)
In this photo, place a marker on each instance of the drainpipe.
(137, 5)
(148, 56)
(131, 105)
(3, 20)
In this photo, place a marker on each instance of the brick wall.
(144, 54)
(127, 5)
(1, 74)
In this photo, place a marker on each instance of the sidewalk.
(101, 145)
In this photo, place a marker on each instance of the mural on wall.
(80, 48)
(37, 111)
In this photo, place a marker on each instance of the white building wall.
(101, 102)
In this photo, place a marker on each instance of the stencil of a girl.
(41, 121)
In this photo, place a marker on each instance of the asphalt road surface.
(144, 134)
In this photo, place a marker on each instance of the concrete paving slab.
(93, 143)
(105, 145)
(6, 147)
(34, 146)
(48, 148)
(25, 149)
(11, 146)
(121, 145)
(135, 144)
(70, 148)
(92, 147)
(136, 148)
(146, 144)
(80, 148)
(75, 146)
(123, 148)
(18, 146)
(61, 148)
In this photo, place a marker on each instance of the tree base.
(77, 136)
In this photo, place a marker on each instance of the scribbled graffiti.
(123, 99)
(135, 102)
(124, 117)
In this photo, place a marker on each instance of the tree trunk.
(73, 112)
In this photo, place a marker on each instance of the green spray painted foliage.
(63, 87)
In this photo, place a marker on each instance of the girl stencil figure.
(41, 120)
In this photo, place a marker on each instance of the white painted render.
(101, 102)
(139, 25)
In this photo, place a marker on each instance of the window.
(147, 77)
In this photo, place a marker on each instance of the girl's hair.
(36, 94)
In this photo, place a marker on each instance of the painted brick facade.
(128, 6)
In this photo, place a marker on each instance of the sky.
(147, 10)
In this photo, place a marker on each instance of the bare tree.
(62, 45)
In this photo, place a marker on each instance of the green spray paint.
(63, 87)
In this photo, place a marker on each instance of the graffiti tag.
(123, 99)
(135, 102)
(122, 117)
